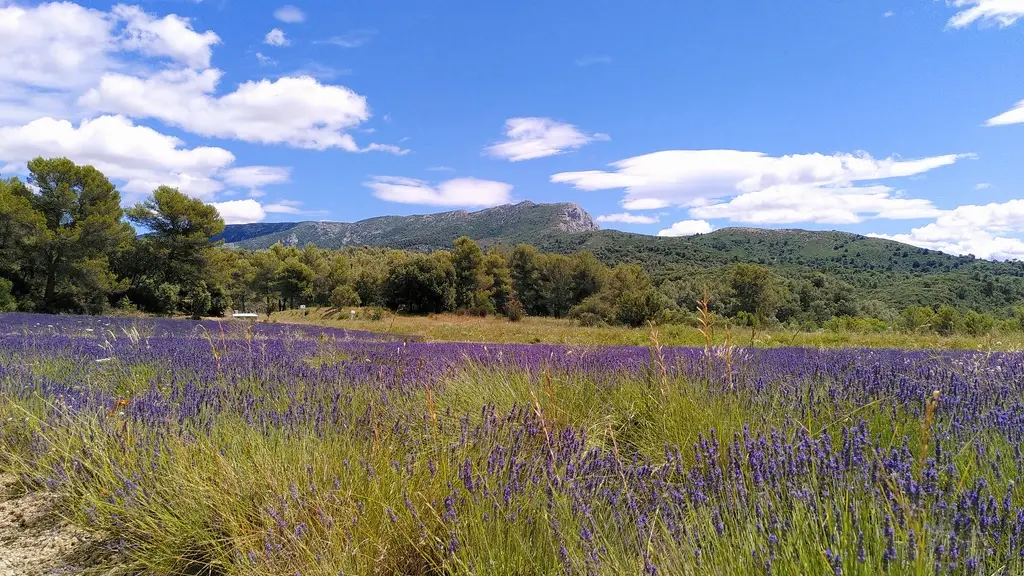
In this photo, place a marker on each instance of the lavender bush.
(295, 450)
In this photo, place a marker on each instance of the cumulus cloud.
(687, 228)
(137, 156)
(240, 211)
(788, 204)
(529, 138)
(140, 156)
(761, 188)
(50, 52)
(276, 37)
(54, 45)
(256, 176)
(454, 192)
(627, 218)
(171, 36)
(298, 111)
(1000, 12)
(289, 14)
(1014, 115)
(983, 230)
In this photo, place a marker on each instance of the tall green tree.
(755, 291)
(421, 285)
(294, 280)
(82, 213)
(178, 244)
(502, 291)
(525, 271)
(471, 282)
(21, 229)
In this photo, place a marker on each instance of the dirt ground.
(36, 541)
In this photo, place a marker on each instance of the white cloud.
(1001, 12)
(888, 14)
(276, 37)
(627, 218)
(788, 204)
(982, 186)
(645, 204)
(783, 186)
(1014, 115)
(240, 211)
(687, 228)
(140, 156)
(351, 39)
(982, 230)
(55, 45)
(529, 138)
(265, 60)
(299, 111)
(171, 36)
(289, 14)
(454, 192)
(256, 176)
(284, 207)
(50, 52)
(390, 148)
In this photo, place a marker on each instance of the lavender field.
(202, 448)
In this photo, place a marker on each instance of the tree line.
(67, 245)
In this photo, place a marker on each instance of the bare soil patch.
(35, 540)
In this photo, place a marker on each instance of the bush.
(593, 306)
(345, 296)
(125, 307)
(590, 320)
(165, 298)
(514, 310)
(201, 300)
(7, 302)
(978, 324)
(947, 320)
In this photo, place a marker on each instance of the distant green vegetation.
(66, 246)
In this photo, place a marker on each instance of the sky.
(902, 119)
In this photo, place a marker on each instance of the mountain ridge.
(497, 224)
(882, 269)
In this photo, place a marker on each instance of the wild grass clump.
(302, 454)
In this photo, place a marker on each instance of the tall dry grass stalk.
(539, 412)
(706, 321)
(658, 356)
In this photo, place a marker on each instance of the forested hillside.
(897, 274)
(67, 245)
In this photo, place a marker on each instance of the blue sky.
(898, 118)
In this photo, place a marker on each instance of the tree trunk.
(51, 283)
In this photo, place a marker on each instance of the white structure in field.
(252, 315)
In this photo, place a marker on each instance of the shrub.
(590, 320)
(344, 296)
(514, 310)
(978, 324)
(201, 300)
(7, 302)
